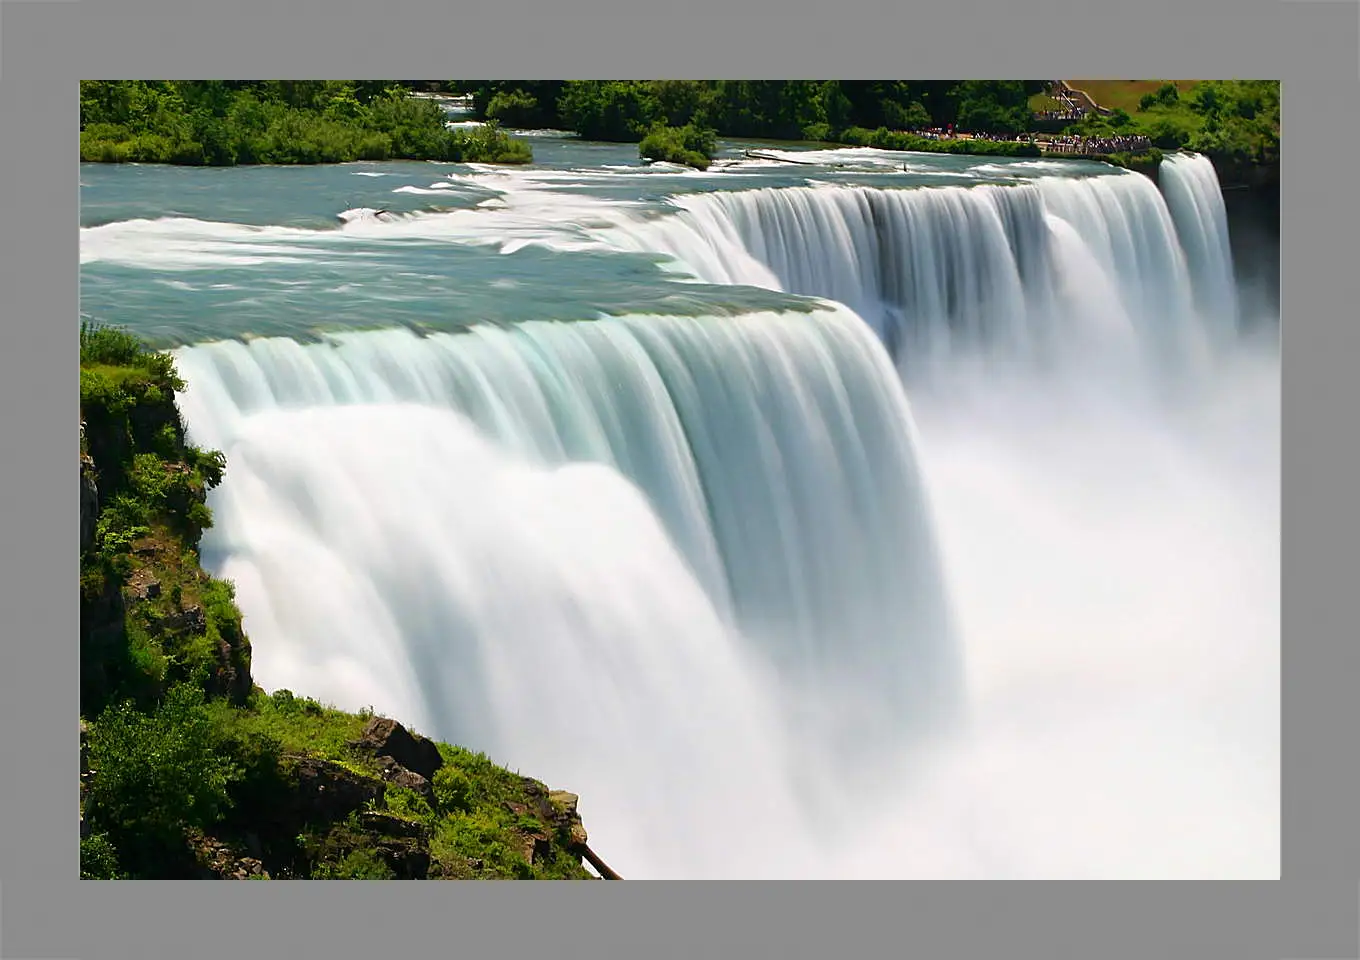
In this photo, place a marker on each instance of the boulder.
(328, 791)
(409, 859)
(191, 620)
(395, 773)
(388, 738)
(390, 825)
(536, 846)
(565, 816)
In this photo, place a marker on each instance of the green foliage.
(406, 803)
(681, 101)
(627, 111)
(993, 106)
(158, 773)
(1146, 161)
(361, 864)
(514, 108)
(688, 145)
(452, 789)
(912, 116)
(261, 787)
(480, 835)
(818, 132)
(222, 123)
(620, 111)
(98, 858)
(344, 852)
(1165, 96)
(1236, 123)
(300, 725)
(886, 139)
(836, 106)
(105, 344)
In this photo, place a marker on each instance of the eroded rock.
(385, 737)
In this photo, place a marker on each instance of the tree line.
(227, 122)
(628, 110)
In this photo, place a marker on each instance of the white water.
(685, 567)
(1080, 270)
(1196, 204)
(387, 553)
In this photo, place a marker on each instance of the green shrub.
(158, 773)
(100, 343)
(452, 789)
(361, 864)
(480, 835)
(688, 145)
(98, 858)
(817, 131)
(406, 803)
(514, 108)
(620, 111)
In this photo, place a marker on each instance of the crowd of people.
(1069, 144)
(1072, 114)
(1003, 137)
(1121, 144)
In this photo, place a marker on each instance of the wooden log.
(600, 866)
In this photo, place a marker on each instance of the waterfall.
(707, 572)
(1196, 205)
(537, 538)
(1085, 269)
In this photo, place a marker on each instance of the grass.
(300, 725)
(1042, 102)
(1125, 94)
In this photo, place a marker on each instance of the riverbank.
(189, 769)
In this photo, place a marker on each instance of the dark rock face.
(404, 845)
(390, 825)
(89, 503)
(398, 775)
(388, 738)
(1253, 212)
(409, 859)
(327, 791)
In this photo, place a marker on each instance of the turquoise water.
(181, 254)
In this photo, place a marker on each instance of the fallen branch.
(600, 866)
(753, 155)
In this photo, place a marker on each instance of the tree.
(514, 108)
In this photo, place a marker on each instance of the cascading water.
(1196, 204)
(517, 599)
(687, 566)
(1088, 268)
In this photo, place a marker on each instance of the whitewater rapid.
(719, 575)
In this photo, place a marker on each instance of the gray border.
(47, 47)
